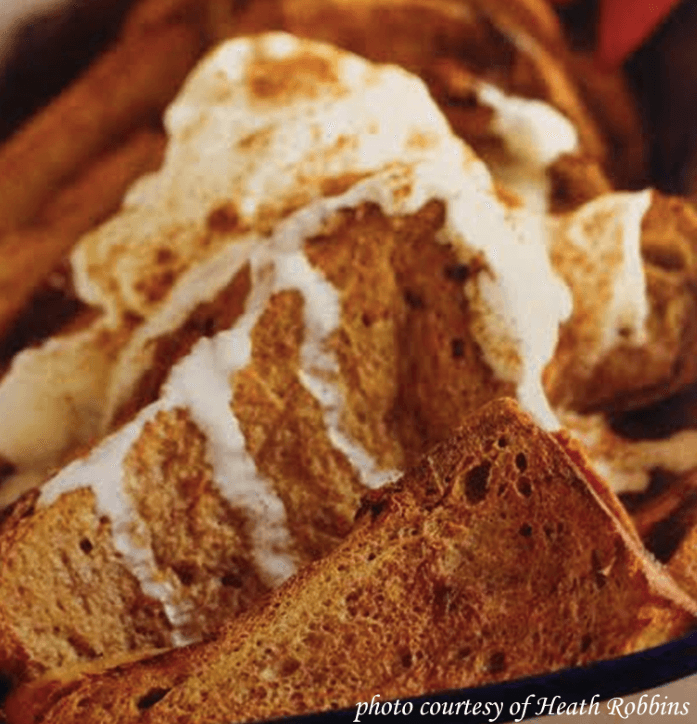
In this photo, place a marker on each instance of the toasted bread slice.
(493, 559)
(363, 303)
(356, 321)
(649, 325)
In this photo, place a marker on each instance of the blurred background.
(45, 43)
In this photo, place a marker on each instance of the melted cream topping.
(346, 125)
(535, 135)
(597, 251)
(245, 137)
(199, 285)
(626, 464)
(201, 382)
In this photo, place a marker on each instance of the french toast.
(273, 328)
(552, 167)
(362, 332)
(423, 593)
(311, 324)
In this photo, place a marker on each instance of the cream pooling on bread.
(271, 156)
(256, 152)
(201, 382)
(311, 141)
(247, 151)
(516, 301)
(230, 144)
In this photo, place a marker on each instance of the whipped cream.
(263, 154)
(259, 129)
(240, 142)
(535, 135)
(627, 464)
(399, 165)
(597, 251)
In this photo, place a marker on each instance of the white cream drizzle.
(201, 384)
(319, 369)
(535, 135)
(597, 250)
(626, 464)
(629, 308)
(102, 472)
(518, 303)
(534, 132)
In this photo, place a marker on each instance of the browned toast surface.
(493, 559)
(427, 557)
(409, 371)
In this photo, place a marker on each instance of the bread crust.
(662, 612)
(422, 593)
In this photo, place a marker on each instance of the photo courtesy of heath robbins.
(348, 361)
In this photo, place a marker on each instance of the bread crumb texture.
(493, 559)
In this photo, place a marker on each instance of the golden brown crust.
(422, 593)
(578, 454)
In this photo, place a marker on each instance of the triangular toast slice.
(348, 332)
(496, 558)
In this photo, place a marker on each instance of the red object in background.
(623, 25)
